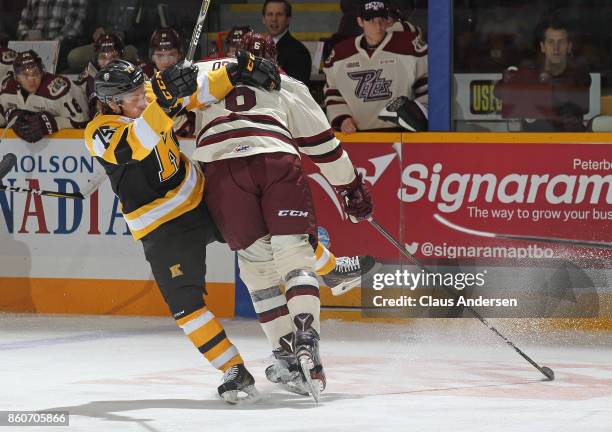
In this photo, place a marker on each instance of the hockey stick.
(582, 243)
(7, 127)
(546, 371)
(42, 192)
(197, 31)
(7, 163)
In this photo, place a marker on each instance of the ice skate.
(287, 373)
(238, 386)
(348, 273)
(307, 353)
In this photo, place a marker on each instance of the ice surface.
(142, 374)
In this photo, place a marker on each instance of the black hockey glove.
(175, 82)
(255, 71)
(34, 126)
(409, 114)
(357, 199)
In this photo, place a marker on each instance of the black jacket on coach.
(294, 58)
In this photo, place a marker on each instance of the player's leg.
(176, 252)
(289, 215)
(341, 274)
(233, 201)
(231, 196)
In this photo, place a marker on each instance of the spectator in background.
(293, 56)
(7, 56)
(165, 50)
(132, 20)
(233, 40)
(366, 73)
(567, 84)
(42, 103)
(107, 48)
(60, 20)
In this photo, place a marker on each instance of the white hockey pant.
(262, 266)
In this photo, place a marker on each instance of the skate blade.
(295, 389)
(313, 385)
(247, 395)
(345, 286)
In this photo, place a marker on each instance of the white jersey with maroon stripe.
(64, 101)
(360, 85)
(251, 121)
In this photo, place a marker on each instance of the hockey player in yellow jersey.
(161, 190)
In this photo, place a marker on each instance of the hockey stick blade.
(197, 31)
(7, 163)
(546, 371)
(42, 192)
(556, 240)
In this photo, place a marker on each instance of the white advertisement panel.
(48, 237)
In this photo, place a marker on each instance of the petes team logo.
(371, 86)
(57, 86)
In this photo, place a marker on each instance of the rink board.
(77, 257)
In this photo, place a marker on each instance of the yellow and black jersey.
(154, 181)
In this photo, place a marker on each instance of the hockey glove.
(357, 200)
(409, 114)
(175, 82)
(33, 126)
(255, 71)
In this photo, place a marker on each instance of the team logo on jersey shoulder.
(57, 86)
(8, 56)
(419, 44)
(242, 148)
(330, 57)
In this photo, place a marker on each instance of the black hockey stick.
(42, 192)
(197, 31)
(546, 371)
(581, 243)
(7, 163)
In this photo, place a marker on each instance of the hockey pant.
(176, 252)
(262, 267)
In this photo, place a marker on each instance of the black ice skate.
(307, 353)
(348, 272)
(286, 371)
(238, 385)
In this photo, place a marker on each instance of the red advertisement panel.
(535, 189)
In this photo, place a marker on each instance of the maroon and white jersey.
(7, 56)
(56, 95)
(361, 83)
(251, 121)
(86, 82)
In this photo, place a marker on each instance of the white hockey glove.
(407, 113)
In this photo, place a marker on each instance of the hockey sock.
(302, 294)
(272, 313)
(208, 336)
(326, 261)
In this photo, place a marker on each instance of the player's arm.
(314, 137)
(337, 108)
(214, 85)
(420, 88)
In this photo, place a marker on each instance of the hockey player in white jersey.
(366, 73)
(42, 103)
(261, 202)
